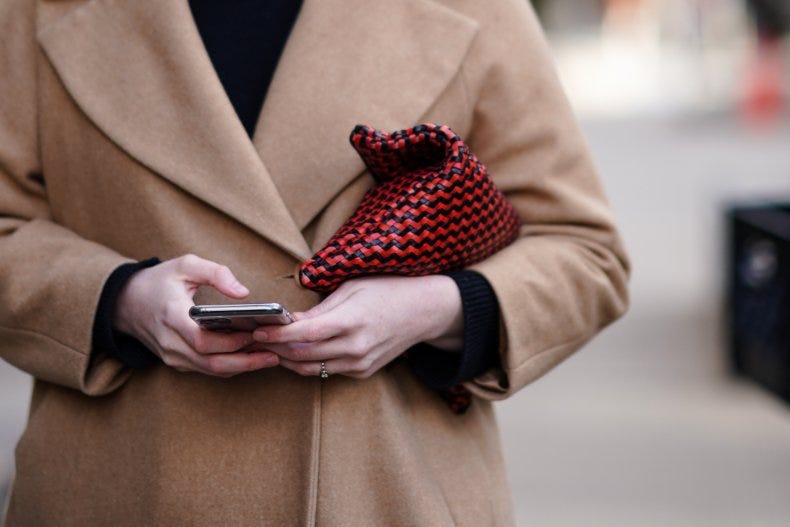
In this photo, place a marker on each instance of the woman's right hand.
(153, 307)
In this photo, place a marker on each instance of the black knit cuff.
(441, 369)
(126, 349)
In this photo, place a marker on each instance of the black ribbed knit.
(128, 350)
(442, 369)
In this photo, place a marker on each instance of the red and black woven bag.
(434, 209)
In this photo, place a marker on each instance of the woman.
(118, 142)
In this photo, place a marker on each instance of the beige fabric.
(116, 106)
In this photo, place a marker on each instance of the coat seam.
(44, 335)
(572, 342)
(312, 496)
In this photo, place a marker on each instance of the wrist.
(123, 314)
(442, 298)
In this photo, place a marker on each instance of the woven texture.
(435, 209)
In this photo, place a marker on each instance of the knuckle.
(360, 370)
(255, 362)
(351, 323)
(358, 348)
(170, 361)
(367, 362)
(297, 351)
(172, 309)
(221, 271)
(186, 260)
(314, 334)
(283, 350)
(272, 336)
(169, 352)
(241, 341)
(214, 366)
(201, 344)
(363, 365)
(289, 352)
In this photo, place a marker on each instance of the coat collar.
(140, 72)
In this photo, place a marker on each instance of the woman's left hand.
(368, 322)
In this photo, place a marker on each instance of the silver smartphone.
(239, 317)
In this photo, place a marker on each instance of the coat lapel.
(348, 62)
(140, 72)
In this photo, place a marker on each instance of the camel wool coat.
(117, 143)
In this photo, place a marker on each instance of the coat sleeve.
(565, 277)
(50, 278)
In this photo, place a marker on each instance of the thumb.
(325, 306)
(205, 272)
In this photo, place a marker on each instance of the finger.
(324, 307)
(255, 346)
(306, 351)
(205, 272)
(313, 368)
(305, 330)
(335, 299)
(182, 357)
(349, 345)
(348, 368)
(203, 341)
(176, 353)
(229, 364)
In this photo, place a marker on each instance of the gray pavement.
(644, 426)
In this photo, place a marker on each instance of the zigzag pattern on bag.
(435, 209)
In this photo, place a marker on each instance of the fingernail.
(240, 288)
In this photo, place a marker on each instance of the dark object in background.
(772, 17)
(759, 299)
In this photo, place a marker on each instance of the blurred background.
(684, 104)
